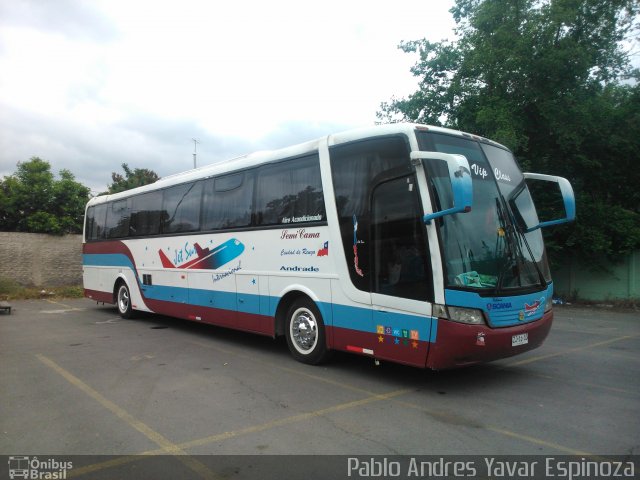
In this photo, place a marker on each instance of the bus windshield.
(483, 249)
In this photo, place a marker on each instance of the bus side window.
(181, 208)
(117, 224)
(89, 222)
(227, 201)
(96, 223)
(290, 192)
(146, 214)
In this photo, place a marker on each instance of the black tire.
(123, 300)
(305, 332)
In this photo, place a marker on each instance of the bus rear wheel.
(305, 332)
(123, 301)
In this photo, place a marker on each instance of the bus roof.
(265, 156)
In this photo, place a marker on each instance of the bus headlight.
(471, 316)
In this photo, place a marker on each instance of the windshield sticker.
(502, 177)
(355, 246)
(479, 171)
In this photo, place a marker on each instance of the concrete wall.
(621, 283)
(41, 260)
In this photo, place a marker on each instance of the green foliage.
(32, 200)
(8, 288)
(131, 179)
(551, 80)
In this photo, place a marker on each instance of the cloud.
(92, 151)
(91, 85)
(71, 18)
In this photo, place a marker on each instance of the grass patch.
(8, 287)
(10, 290)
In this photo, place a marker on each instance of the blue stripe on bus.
(344, 316)
(165, 293)
(214, 299)
(107, 260)
(355, 318)
(358, 318)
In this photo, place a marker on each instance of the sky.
(90, 84)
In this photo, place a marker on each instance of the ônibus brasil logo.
(34, 468)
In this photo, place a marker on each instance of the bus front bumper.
(460, 345)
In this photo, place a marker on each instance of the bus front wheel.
(305, 332)
(123, 301)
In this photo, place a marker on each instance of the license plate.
(520, 339)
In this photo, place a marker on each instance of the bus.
(404, 242)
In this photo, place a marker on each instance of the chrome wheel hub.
(304, 330)
(123, 299)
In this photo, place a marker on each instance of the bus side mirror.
(549, 200)
(459, 177)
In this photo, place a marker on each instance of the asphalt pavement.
(76, 379)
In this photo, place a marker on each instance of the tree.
(32, 200)
(131, 179)
(550, 79)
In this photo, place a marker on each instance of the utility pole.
(195, 150)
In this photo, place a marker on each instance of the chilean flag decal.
(324, 251)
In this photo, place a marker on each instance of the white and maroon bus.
(407, 243)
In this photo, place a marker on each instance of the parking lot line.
(293, 419)
(178, 450)
(167, 447)
(538, 441)
(502, 431)
(244, 431)
(96, 467)
(66, 308)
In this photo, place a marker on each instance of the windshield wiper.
(521, 233)
(543, 282)
(510, 261)
(513, 250)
